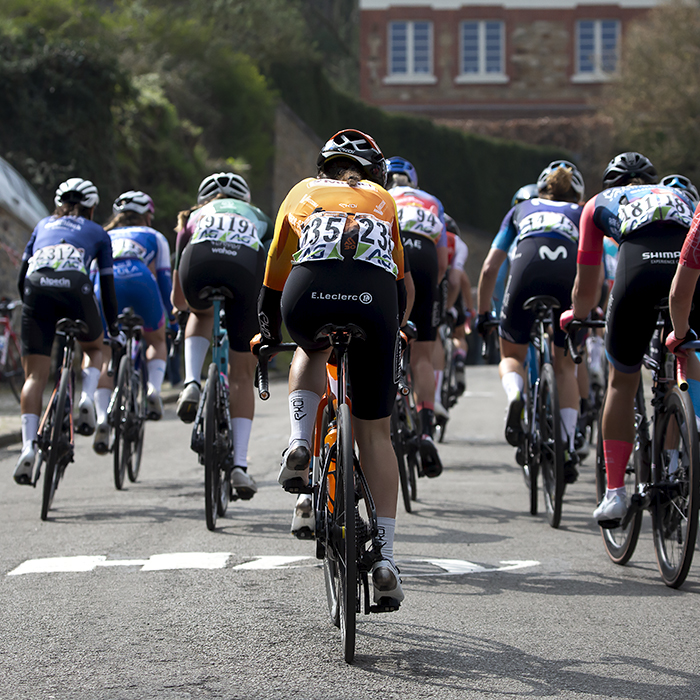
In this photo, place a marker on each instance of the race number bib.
(374, 243)
(653, 207)
(128, 248)
(548, 222)
(418, 220)
(320, 238)
(62, 257)
(226, 227)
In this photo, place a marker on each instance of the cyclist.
(424, 237)
(142, 281)
(54, 283)
(220, 244)
(546, 231)
(649, 222)
(337, 257)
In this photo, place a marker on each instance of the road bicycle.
(663, 474)
(128, 407)
(346, 531)
(449, 390)
(11, 371)
(212, 436)
(405, 429)
(55, 438)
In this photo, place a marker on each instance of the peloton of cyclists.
(546, 229)
(649, 222)
(142, 281)
(337, 257)
(54, 283)
(220, 243)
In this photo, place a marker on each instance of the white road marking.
(219, 560)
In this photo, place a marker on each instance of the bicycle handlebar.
(488, 325)
(577, 325)
(682, 364)
(265, 352)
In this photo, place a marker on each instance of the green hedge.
(475, 177)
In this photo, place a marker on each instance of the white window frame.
(410, 77)
(482, 76)
(597, 75)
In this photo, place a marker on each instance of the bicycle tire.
(139, 394)
(212, 481)
(674, 511)
(530, 464)
(56, 419)
(397, 440)
(12, 372)
(551, 449)
(120, 414)
(620, 543)
(347, 562)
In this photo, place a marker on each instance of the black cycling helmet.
(525, 192)
(363, 149)
(683, 183)
(627, 166)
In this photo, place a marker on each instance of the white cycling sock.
(241, 437)
(90, 376)
(156, 373)
(438, 385)
(30, 427)
(303, 405)
(386, 536)
(102, 398)
(568, 420)
(196, 348)
(612, 492)
(513, 385)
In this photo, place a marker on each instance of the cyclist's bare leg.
(200, 325)
(422, 370)
(512, 358)
(240, 380)
(36, 371)
(308, 371)
(618, 414)
(157, 347)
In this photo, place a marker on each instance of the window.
(482, 52)
(410, 53)
(597, 43)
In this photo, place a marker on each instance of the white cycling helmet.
(76, 191)
(229, 184)
(576, 177)
(133, 200)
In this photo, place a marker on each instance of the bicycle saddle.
(335, 333)
(211, 293)
(129, 319)
(541, 302)
(68, 326)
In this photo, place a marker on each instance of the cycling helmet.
(626, 166)
(683, 183)
(451, 225)
(525, 192)
(75, 190)
(363, 149)
(229, 184)
(397, 164)
(133, 200)
(576, 177)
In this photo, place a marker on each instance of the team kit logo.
(364, 297)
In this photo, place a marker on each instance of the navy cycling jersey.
(68, 243)
(538, 217)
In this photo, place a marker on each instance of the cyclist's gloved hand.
(481, 321)
(674, 344)
(117, 337)
(565, 319)
(256, 342)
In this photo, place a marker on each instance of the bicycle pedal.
(610, 524)
(304, 533)
(297, 485)
(385, 605)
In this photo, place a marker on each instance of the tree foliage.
(656, 103)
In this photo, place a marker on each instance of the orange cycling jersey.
(324, 219)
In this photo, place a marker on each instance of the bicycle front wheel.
(674, 511)
(620, 542)
(139, 393)
(397, 441)
(120, 417)
(212, 481)
(58, 443)
(345, 519)
(551, 449)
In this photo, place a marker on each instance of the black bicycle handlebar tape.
(109, 302)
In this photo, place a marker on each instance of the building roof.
(507, 4)
(18, 197)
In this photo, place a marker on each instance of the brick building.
(491, 59)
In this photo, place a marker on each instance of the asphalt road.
(127, 595)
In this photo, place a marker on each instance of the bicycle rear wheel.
(345, 519)
(139, 393)
(59, 443)
(551, 449)
(674, 511)
(12, 372)
(397, 441)
(212, 457)
(122, 406)
(619, 542)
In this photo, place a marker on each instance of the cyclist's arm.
(105, 266)
(28, 252)
(684, 282)
(487, 279)
(466, 288)
(586, 292)
(410, 296)
(163, 275)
